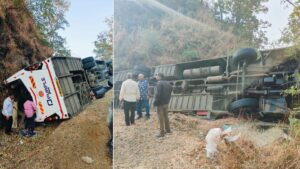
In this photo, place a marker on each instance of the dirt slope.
(20, 42)
(63, 146)
(136, 147)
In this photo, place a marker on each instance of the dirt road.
(62, 146)
(136, 146)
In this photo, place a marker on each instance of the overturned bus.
(248, 82)
(59, 86)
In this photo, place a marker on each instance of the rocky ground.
(62, 145)
(137, 147)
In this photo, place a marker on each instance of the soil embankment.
(62, 146)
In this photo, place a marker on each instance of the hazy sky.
(86, 19)
(278, 16)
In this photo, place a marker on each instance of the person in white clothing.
(214, 136)
(130, 94)
(7, 113)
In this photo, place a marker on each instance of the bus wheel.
(244, 54)
(245, 107)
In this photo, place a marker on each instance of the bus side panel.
(41, 86)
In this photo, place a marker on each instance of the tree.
(152, 33)
(49, 16)
(104, 43)
(240, 16)
(291, 34)
(186, 7)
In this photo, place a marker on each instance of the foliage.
(49, 16)
(152, 33)
(191, 54)
(241, 16)
(163, 31)
(186, 7)
(291, 34)
(294, 91)
(294, 124)
(149, 43)
(104, 43)
(20, 41)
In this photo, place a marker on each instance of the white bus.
(58, 86)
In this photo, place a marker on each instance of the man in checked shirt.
(143, 87)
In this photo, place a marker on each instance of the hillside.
(20, 43)
(259, 146)
(62, 145)
(151, 33)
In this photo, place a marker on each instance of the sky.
(278, 16)
(86, 19)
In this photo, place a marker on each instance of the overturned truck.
(249, 82)
(59, 86)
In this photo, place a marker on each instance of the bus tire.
(244, 54)
(88, 59)
(243, 103)
(89, 65)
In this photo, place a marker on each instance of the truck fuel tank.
(202, 72)
(215, 79)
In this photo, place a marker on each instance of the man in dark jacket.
(162, 99)
(110, 127)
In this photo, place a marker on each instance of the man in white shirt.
(130, 94)
(7, 113)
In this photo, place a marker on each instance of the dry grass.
(63, 146)
(282, 155)
(244, 155)
(234, 155)
(20, 41)
(137, 147)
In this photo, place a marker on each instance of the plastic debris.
(87, 159)
(232, 138)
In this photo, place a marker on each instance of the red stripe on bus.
(34, 95)
(51, 78)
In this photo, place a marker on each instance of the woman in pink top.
(29, 110)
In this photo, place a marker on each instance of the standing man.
(29, 109)
(129, 94)
(143, 87)
(110, 127)
(15, 115)
(7, 112)
(162, 99)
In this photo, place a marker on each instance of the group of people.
(10, 115)
(135, 96)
